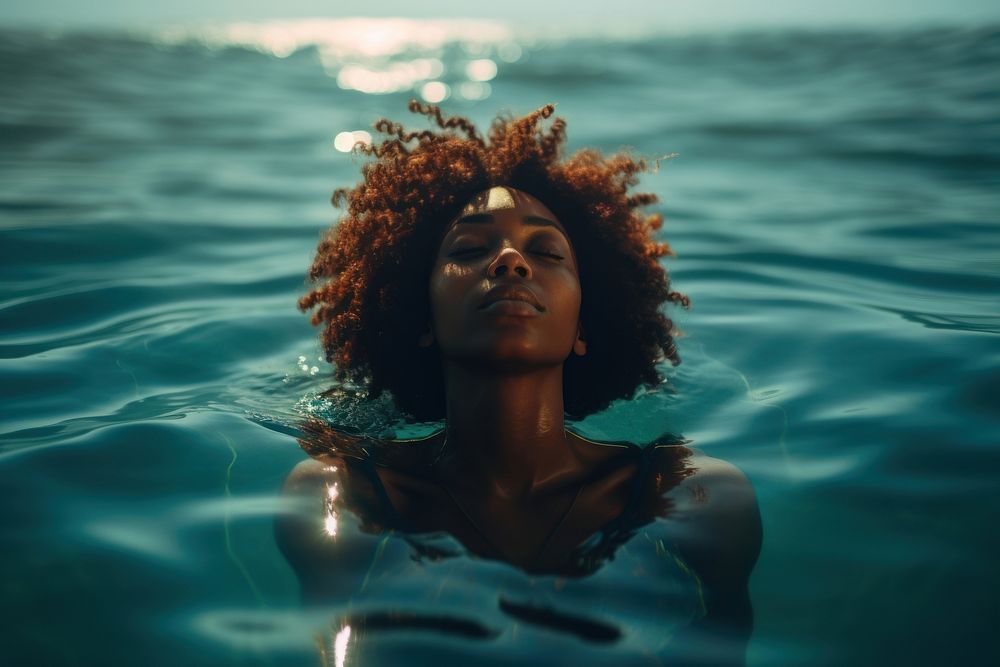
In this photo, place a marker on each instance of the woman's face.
(504, 291)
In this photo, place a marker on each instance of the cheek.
(570, 295)
(449, 285)
(564, 302)
(452, 271)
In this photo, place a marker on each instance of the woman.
(498, 288)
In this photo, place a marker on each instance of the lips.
(511, 293)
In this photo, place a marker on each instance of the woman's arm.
(320, 535)
(717, 528)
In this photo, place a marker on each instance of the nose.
(508, 261)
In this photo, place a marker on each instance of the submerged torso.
(407, 571)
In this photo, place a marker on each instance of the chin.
(518, 356)
(507, 349)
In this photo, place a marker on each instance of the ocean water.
(834, 205)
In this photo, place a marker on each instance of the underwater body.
(833, 204)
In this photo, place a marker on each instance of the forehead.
(502, 198)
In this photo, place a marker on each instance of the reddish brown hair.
(374, 266)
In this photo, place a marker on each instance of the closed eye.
(466, 252)
(478, 250)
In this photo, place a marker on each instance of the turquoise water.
(834, 208)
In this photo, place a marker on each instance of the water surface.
(834, 207)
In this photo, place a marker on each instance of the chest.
(541, 534)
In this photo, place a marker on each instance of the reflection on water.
(345, 141)
(330, 507)
(393, 78)
(341, 39)
(340, 646)
(377, 56)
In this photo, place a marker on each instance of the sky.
(676, 13)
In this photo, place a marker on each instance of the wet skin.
(506, 246)
(703, 507)
(505, 477)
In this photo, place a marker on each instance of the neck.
(505, 432)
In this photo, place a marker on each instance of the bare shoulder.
(712, 509)
(717, 485)
(329, 517)
(306, 488)
(311, 474)
(305, 472)
(712, 520)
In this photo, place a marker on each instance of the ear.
(580, 344)
(426, 339)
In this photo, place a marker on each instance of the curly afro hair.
(373, 268)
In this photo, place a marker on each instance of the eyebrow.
(486, 218)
